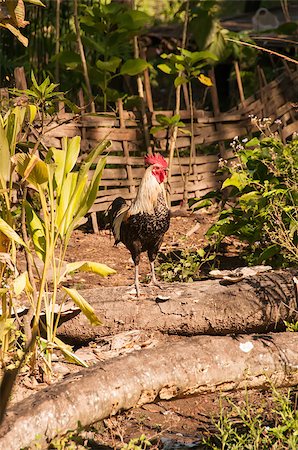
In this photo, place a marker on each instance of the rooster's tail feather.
(115, 215)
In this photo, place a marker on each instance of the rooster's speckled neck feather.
(148, 193)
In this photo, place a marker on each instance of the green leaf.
(238, 179)
(254, 142)
(89, 266)
(201, 204)
(35, 2)
(22, 283)
(165, 68)
(31, 168)
(163, 119)
(155, 130)
(32, 113)
(36, 231)
(134, 66)
(10, 233)
(68, 353)
(180, 80)
(109, 66)
(270, 251)
(84, 306)
(5, 157)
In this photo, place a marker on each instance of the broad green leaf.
(155, 130)
(134, 66)
(183, 131)
(22, 283)
(63, 201)
(239, 180)
(110, 66)
(16, 32)
(163, 119)
(31, 168)
(72, 152)
(93, 187)
(68, 353)
(253, 142)
(89, 266)
(10, 233)
(202, 204)
(69, 58)
(5, 156)
(180, 80)
(5, 326)
(75, 202)
(65, 159)
(270, 251)
(35, 2)
(84, 306)
(36, 231)
(249, 197)
(165, 68)
(32, 113)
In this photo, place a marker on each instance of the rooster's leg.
(153, 277)
(137, 285)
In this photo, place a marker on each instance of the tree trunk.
(190, 366)
(256, 304)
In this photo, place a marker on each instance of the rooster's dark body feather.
(141, 226)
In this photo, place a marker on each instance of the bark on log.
(187, 367)
(256, 304)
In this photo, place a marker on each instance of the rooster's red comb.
(155, 158)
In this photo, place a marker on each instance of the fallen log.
(188, 366)
(256, 304)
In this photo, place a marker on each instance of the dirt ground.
(178, 424)
(184, 233)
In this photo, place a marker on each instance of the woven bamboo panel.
(125, 130)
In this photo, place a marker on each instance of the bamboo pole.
(82, 55)
(141, 95)
(216, 107)
(57, 46)
(147, 84)
(125, 149)
(239, 82)
(173, 138)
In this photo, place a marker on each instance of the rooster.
(141, 226)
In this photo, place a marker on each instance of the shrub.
(261, 209)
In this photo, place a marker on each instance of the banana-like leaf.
(15, 122)
(32, 109)
(92, 189)
(5, 326)
(65, 159)
(22, 283)
(75, 204)
(31, 168)
(10, 233)
(5, 163)
(36, 230)
(84, 306)
(68, 353)
(89, 266)
(63, 200)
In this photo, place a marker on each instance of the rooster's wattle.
(141, 226)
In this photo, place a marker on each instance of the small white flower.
(244, 140)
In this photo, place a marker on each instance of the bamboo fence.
(212, 134)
